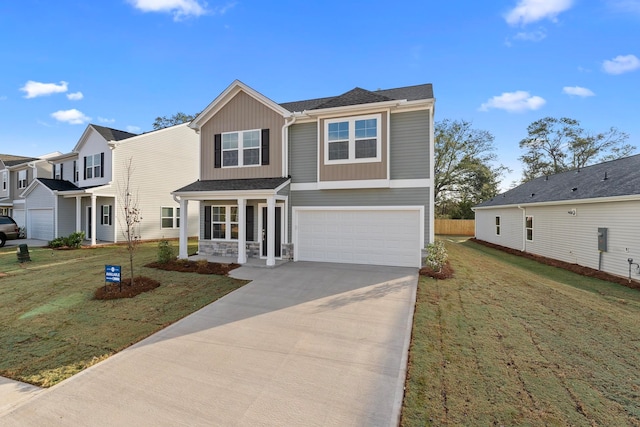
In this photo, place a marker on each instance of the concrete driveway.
(305, 344)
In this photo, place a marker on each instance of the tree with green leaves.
(557, 145)
(177, 119)
(465, 170)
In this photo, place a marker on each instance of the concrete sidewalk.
(306, 344)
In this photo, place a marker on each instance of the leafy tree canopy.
(177, 119)
(557, 145)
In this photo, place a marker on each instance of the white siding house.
(589, 217)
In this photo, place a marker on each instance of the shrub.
(73, 241)
(58, 242)
(436, 256)
(166, 252)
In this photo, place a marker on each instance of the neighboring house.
(16, 174)
(588, 217)
(83, 189)
(346, 179)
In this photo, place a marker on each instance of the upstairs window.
(353, 140)
(4, 180)
(241, 148)
(94, 166)
(57, 171)
(22, 179)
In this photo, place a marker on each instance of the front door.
(278, 233)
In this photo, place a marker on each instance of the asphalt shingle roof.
(362, 96)
(58, 184)
(112, 134)
(609, 179)
(20, 161)
(234, 184)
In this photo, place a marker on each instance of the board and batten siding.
(363, 197)
(162, 162)
(409, 145)
(511, 227)
(242, 112)
(303, 152)
(355, 171)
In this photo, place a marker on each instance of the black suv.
(9, 230)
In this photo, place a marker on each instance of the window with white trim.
(57, 171)
(353, 139)
(4, 180)
(22, 179)
(93, 165)
(497, 225)
(169, 217)
(106, 217)
(529, 228)
(224, 222)
(241, 148)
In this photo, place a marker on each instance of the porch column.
(183, 252)
(78, 214)
(242, 231)
(94, 213)
(271, 230)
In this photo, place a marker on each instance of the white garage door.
(40, 224)
(380, 237)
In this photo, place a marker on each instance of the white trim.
(365, 183)
(174, 218)
(432, 173)
(627, 198)
(351, 139)
(335, 111)
(411, 183)
(388, 143)
(240, 149)
(283, 215)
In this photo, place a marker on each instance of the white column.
(242, 231)
(78, 214)
(94, 219)
(271, 230)
(183, 250)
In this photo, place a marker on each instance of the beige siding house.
(589, 217)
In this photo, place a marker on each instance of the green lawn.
(51, 326)
(512, 342)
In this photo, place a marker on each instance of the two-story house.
(84, 188)
(347, 178)
(16, 174)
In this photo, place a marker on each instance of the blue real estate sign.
(112, 273)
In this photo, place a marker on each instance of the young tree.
(558, 145)
(131, 215)
(177, 119)
(464, 170)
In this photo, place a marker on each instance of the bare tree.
(131, 214)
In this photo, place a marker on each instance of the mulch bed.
(445, 273)
(575, 268)
(201, 267)
(112, 290)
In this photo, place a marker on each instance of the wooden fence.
(455, 227)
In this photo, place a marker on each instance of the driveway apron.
(304, 344)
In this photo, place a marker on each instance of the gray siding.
(66, 216)
(253, 203)
(40, 198)
(364, 197)
(303, 152)
(410, 147)
(511, 227)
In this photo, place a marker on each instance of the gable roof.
(10, 158)
(16, 162)
(609, 179)
(58, 184)
(111, 134)
(358, 96)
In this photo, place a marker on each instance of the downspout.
(285, 145)
(524, 229)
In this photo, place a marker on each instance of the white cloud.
(76, 96)
(514, 102)
(625, 6)
(35, 89)
(527, 11)
(133, 129)
(73, 116)
(532, 36)
(104, 120)
(621, 64)
(179, 8)
(577, 91)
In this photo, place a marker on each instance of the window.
(22, 179)
(497, 226)
(529, 228)
(76, 172)
(241, 148)
(170, 217)
(93, 166)
(224, 222)
(353, 140)
(105, 219)
(57, 171)
(4, 180)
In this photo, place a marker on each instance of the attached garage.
(40, 224)
(377, 235)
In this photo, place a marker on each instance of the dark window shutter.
(101, 165)
(84, 175)
(217, 150)
(249, 223)
(61, 170)
(265, 146)
(207, 222)
(101, 215)
(75, 168)
(53, 172)
(110, 214)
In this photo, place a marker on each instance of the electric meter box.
(602, 239)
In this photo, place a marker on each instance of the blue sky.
(500, 64)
